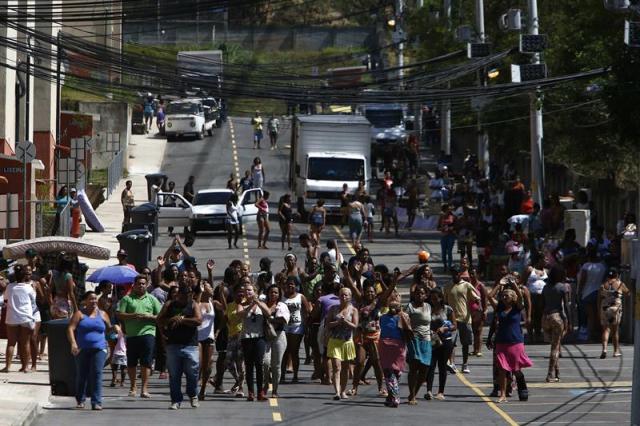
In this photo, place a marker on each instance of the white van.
(187, 117)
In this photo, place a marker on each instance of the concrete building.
(29, 106)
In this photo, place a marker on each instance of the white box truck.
(328, 151)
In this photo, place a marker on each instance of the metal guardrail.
(114, 173)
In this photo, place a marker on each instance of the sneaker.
(603, 355)
(194, 402)
(174, 406)
(452, 368)
(428, 396)
(465, 369)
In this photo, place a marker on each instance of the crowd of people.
(245, 332)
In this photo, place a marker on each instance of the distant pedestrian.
(128, 202)
(256, 122)
(62, 199)
(20, 300)
(285, 220)
(357, 219)
(76, 214)
(188, 192)
(459, 294)
(274, 129)
(446, 226)
(317, 220)
(86, 333)
(556, 319)
(263, 220)
(232, 183)
(257, 173)
(246, 182)
(232, 220)
(610, 297)
(180, 319)
(148, 109)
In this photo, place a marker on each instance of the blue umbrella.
(115, 274)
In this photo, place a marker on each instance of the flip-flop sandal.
(133, 393)
(145, 395)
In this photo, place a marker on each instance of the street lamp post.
(483, 136)
(537, 166)
(400, 48)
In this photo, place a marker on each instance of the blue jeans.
(89, 365)
(183, 359)
(446, 244)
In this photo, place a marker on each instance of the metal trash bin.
(145, 214)
(137, 244)
(158, 179)
(62, 363)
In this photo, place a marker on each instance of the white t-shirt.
(595, 276)
(21, 301)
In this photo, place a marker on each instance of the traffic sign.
(26, 151)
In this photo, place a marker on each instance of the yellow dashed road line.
(234, 148)
(344, 239)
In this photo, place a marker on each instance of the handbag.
(436, 341)
(269, 331)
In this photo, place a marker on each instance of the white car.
(208, 211)
(188, 117)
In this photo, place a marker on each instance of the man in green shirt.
(138, 312)
(458, 295)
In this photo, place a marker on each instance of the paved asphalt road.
(592, 391)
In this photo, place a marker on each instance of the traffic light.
(478, 50)
(528, 72)
(530, 43)
(632, 33)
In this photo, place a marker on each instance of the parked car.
(187, 117)
(208, 211)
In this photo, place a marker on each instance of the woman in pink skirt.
(395, 329)
(509, 344)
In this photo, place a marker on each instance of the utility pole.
(400, 47)
(537, 166)
(483, 136)
(635, 389)
(445, 113)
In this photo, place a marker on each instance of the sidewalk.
(22, 396)
(145, 156)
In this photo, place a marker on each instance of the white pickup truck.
(208, 211)
(188, 117)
